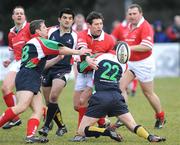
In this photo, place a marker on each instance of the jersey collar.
(23, 25)
(139, 23)
(100, 38)
(64, 32)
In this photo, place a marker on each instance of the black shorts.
(46, 79)
(28, 79)
(104, 103)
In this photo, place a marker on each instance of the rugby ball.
(123, 52)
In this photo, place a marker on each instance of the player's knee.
(54, 99)
(148, 94)
(5, 89)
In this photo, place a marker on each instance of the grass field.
(167, 88)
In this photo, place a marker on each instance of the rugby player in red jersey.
(98, 41)
(17, 38)
(139, 35)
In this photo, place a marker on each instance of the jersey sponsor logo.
(53, 38)
(69, 41)
(130, 40)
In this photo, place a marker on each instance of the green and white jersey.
(35, 51)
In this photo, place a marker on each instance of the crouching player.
(28, 78)
(107, 100)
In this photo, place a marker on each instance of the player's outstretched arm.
(67, 51)
(53, 61)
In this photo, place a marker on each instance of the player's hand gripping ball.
(123, 52)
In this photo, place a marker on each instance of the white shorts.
(144, 69)
(83, 81)
(15, 66)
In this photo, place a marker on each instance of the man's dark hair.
(17, 7)
(94, 15)
(66, 11)
(135, 6)
(36, 24)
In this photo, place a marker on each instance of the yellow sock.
(94, 128)
(140, 131)
(59, 117)
(92, 131)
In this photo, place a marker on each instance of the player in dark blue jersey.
(28, 81)
(107, 100)
(57, 75)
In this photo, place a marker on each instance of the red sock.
(82, 111)
(7, 116)
(160, 115)
(10, 99)
(134, 86)
(16, 118)
(32, 126)
(101, 121)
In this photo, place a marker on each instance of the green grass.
(168, 90)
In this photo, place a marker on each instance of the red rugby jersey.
(102, 44)
(141, 35)
(18, 40)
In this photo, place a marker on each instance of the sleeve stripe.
(82, 44)
(146, 44)
(147, 41)
(20, 42)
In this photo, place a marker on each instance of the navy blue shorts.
(104, 103)
(47, 78)
(28, 80)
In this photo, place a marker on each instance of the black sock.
(52, 108)
(58, 118)
(92, 131)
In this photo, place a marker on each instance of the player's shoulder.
(32, 41)
(146, 24)
(27, 24)
(111, 56)
(52, 29)
(82, 35)
(26, 27)
(11, 33)
(107, 36)
(74, 32)
(12, 30)
(109, 39)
